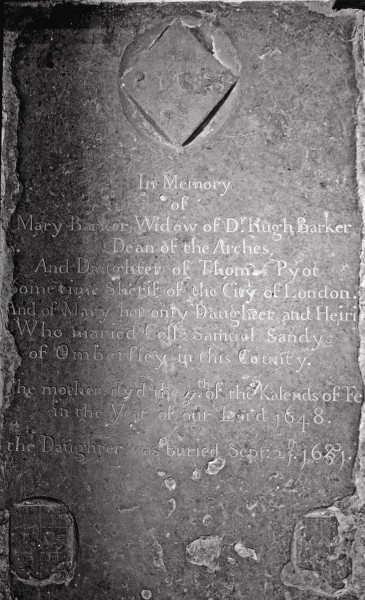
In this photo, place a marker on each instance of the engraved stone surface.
(185, 306)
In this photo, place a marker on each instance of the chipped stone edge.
(10, 192)
(358, 501)
(359, 56)
(4, 556)
(321, 6)
(50, 3)
(350, 510)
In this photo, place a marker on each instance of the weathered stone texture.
(183, 196)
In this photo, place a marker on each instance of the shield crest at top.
(178, 83)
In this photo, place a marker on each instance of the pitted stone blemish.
(170, 484)
(197, 473)
(127, 509)
(244, 552)
(204, 551)
(207, 520)
(216, 465)
(172, 507)
(158, 560)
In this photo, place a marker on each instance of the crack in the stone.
(202, 39)
(149, 119)
(159, 36)
(200, 128)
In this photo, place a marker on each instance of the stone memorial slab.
(182, 391)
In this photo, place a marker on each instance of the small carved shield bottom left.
(43, 542)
